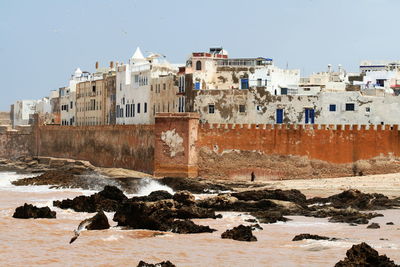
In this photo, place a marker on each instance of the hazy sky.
(43, 41)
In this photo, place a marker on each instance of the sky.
(42, 42)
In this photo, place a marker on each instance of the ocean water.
(45, 242)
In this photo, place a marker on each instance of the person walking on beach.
(253, 176)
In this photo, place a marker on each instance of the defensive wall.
(174, 145)
(17, 142)
(122, 146)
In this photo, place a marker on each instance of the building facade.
(145, 86)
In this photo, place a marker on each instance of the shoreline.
(387, 184)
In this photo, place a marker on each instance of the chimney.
(111, 64)
(97, 65)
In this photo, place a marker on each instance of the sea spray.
(146, 186)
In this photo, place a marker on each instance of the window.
(259, 82)
(94, 88)
(132, 110)
(367, 109)
(350, 107)
(127, 110)
(72, 104)
(332, 107)
(197, 85)
(211, 109)
(151, 87)
(242, 108)
(164, 86)
(279, 116)
(138, 108)
(145, 108)
(198, 65)
(284, 91)
(120, 86)
(244, 83)
(307, 89)
(259, 108)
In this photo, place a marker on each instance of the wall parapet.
(335, 127)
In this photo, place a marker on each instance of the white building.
(380, 75)
(23, 111)
(137, 92)
(68, 97)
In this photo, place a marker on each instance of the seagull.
(81, 227)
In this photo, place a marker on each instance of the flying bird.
(81, 227)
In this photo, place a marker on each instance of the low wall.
(335, 144)
(16, 143)
(123, 146)
(288, 143)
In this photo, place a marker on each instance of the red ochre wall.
(335, 144)
(123, 146)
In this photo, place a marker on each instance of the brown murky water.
(46, 241)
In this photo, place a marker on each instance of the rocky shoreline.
(165, 212)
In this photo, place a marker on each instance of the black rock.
(314, 237)
(240, 233)
(363, 255)
(286, 195)
(109, 199)
(29, 211)
(189, 227)
(184, 197)
(98, 222)
(153, 196)
(160, 264)
(374, 226)
(389, 223)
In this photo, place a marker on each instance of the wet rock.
(184, 197)
(358, 200)
(221, 202)
(363, 255)
(269, 216)
(348, 215)
(314, 237)
(195, 186)
(29, 211)
(374, 226)
(286, 195)
(112, 192)
(154, 196)
(160, 264)
(256, 227)
(98, 222)
(193, 211)
(161, 216)
(109, 199)
(389, 223)
(251, 220)
(189, 227)
(240, 233)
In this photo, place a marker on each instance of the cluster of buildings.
(222, 90)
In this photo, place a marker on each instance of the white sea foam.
(113, 238)
(7, 177)
(148, 185)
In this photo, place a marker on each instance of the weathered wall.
(16, 143)
(175, 144)
(125, 146)
(335, 145)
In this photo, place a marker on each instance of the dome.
(224, 52)
(78, 72)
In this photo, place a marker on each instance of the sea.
(45, 242)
